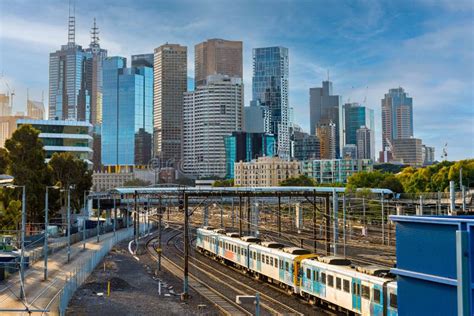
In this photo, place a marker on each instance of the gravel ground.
(134, 290)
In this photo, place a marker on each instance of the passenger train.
(322, 280)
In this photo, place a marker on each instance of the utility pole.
(344, 222)
(383, 219)
(315, 243)
(115, 214)
(84, 223)
(160, 216)
(186, 248)
(328, 226)
(68, 224)
(98, 218)
(23, 228)
(249, 214)
(240, 215)
(335, 206)
(135, 226)
(279, 216)
(45, 247)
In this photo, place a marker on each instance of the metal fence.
(87, 265)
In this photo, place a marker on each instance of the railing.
(87, 265)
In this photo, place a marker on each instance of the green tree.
(374, 179)
(3, 160)
(27, 165)
(300, 181)
(10, 215)
(71, 172)
(224, 183)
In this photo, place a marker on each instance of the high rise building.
(211, 112)
(243, 146)
(326, 132)
(5, 108)
(397, 116)
(270, 84)
(365, 140)
(170, 73)
(428, 154)
(127, 114)
(323, 107)
(335, 170)
(408, 151)
(349, 151)
(217, 56)
(354, 117)
(75, 79)
(143, 60)
(256, 119)
(304, 145)
(35, 109)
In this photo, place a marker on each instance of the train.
(329, 281)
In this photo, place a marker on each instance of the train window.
(276, 263)
(281, 264)
(315, 275)
(330, 280)
(376, 296)
(346, 286)
(338, 283)
(393, 300)
(254, 255)
(258, 257)
(271, 261)
(323, 278)
(308, 274)
(267, 259)
(286, 266)
(366, 292)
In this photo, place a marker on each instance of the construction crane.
(11, 93)
(444, 155)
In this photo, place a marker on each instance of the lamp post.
(98, 216)
(6, 181)
(46, 224)
(84, 222)
(68, 224)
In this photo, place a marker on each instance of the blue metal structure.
(435, 265)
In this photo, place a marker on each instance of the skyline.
(358, 43)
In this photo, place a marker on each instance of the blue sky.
(426, 47)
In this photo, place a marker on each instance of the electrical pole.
(186, 248)
(315, 244)
(160, 216)
(98, 219)
(115, 214)
(45, 247)
(328, 226)
(279, 216)
(68, 224)
(23, 228)
(240, 215)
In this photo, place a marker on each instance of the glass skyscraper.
(242, 146)
(355, 116)
(127, 113)
(270, 89)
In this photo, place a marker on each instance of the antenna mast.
(71, 34)
(94, 34)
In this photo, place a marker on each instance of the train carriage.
(234, 250)
(362, 291)
(207, 240)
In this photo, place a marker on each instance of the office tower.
(365, 140)
(35, 109)
(256, 119)
(170, 72)
(305, 146)
(5, 108)
(211, 112)
(428, 154)
(93, 78)
(354, 117)
(127, 114)
(324, 106)
(349, 151)
(408, 151)
(143, 60)
(270, 89)
(397, 116)
(217, 56)
(326, 132)
(75, 79)
(243, 146)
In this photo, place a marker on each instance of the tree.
(10, 215)
(136, 183)
(300, 181)
(26, 158)
(374, 179)
(224, 183)
(71, 172)
(3, 160)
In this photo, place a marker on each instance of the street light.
(6, 181)
(84, 222)
(46, 224)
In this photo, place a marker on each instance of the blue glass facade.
(355, 116)
(242, 146)
(127, 113)
(270, 89)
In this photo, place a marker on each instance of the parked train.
(324, 280)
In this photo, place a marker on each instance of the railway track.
(273, 299)
(223, 303)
